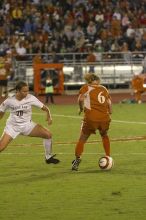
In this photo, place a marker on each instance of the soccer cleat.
(75, 164)
(52, 160)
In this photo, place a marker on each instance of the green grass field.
(33, 190)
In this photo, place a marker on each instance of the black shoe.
(52, 160)
(75, 164)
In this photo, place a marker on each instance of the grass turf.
(33, 190)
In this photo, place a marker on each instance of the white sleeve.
(36, 102)
(4, 106)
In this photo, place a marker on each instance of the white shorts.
(15, 130)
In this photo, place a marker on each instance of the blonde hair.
(90, 77)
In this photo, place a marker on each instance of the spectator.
(17, 16)
(91, 31)
(27, 27)
(21, 51)
(115, 27)
(49, 90)
(144, 65)
(37, 58)
(126, 53)
(3, 77)
(125, 22)
(130, 30)
(91, 59)
(117, 14)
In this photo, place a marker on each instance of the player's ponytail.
(18, 87)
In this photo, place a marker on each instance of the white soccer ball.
(106, 163)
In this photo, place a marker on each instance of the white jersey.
(20, 111)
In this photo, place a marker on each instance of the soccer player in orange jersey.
(95, 101)
(138, 87)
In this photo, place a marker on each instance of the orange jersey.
(137, 83)
(96, 102)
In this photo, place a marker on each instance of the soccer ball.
(106, 163)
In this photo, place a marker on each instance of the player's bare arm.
(1, 114)
(110, 106)
(49, 118)
(81, 103)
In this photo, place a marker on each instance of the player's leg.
(40, 131)
(4, 141)
(138, 97)
(84, 135)
(79, 150)
(86, 130)
(103, 129)
(47, 98)
(51, 98)
(10, 133)
(80, 144)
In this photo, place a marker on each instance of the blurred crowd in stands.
(70, 26)
(32, 26)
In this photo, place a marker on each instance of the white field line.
(63, 153)
(120, 139)
(129, 122)
(79, 117)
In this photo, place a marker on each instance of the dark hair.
(20, 84)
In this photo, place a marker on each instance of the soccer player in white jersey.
(19, 121)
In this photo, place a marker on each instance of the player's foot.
(52, 160)
(75, 164)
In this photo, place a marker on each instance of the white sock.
(48, 147)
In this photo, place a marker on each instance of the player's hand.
(80, 111)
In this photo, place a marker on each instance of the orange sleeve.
(83, 89)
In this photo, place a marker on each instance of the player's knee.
(49, 135)
(1, 147)
(103, 133)
(84, 137)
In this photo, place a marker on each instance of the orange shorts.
(90, 127)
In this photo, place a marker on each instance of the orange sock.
(79, 148)
(106, 145)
